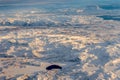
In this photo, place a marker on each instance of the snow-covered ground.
(88, 52)
(81, 36)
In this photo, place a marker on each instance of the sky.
(45, 3)
(5, 2)
(29, 1)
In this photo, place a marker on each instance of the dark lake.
(110, 7)
(110, 17)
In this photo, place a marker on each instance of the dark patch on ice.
(1, 70)
(31, 64)
(3, 78)
(110, 17)
(51, 67)
(6, 56)
(75, 60)
(92, 7)
(109, 7)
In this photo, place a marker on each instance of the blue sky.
(3, 2)
(52, 1)
(29, 1)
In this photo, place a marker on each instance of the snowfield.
(87, 52)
